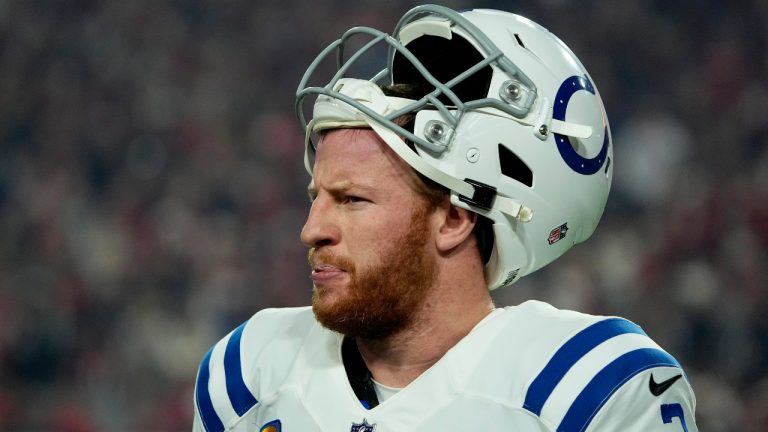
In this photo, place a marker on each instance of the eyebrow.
(340, 187)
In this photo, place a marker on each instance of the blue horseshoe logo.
(577, 163)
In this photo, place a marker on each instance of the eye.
(352, 199)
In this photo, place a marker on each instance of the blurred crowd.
(152, 192)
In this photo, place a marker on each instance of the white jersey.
(524, 368)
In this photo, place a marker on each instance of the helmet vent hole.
(519, 41)
(514, 167)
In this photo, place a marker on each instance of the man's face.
(370, 237)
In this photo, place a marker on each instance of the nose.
(320, 229)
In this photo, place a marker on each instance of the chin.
(325, 297)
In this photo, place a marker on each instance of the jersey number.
(669, 411)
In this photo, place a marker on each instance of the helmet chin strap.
(505, 205)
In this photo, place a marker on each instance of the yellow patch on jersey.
(273, 426)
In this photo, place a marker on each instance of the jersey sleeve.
(245, 365)
(611, 376)
(222, 394)
(197, 423)
(656, 400)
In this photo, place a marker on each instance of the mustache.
(315, 257)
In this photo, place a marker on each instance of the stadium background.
(152, 192)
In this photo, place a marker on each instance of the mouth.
(326, 272)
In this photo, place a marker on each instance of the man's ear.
(456, 226)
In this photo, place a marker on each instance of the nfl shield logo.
(558, 234)
(363, 427)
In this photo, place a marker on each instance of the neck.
(444, 319)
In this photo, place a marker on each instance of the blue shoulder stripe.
(208, 415)
(607, 381)
(241, 398)
(565, 357)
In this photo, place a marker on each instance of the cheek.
(382, 237)
(363, 243)
(371, 231)
(369, 239)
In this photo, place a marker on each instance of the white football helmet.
(510, 122)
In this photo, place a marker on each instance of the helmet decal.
(574, 160)
(557, 234)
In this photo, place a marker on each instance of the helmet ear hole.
(444, 59)
(514, 167)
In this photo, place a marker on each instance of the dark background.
(152, 192)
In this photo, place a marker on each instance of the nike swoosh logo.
(658, 388)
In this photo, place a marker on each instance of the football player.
(479, 154)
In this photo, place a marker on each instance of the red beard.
(384, 298)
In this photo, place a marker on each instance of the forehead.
(360, 154)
